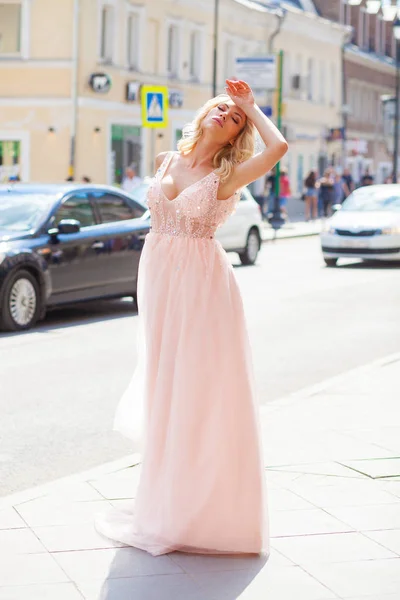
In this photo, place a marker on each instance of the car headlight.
(327, 228)
(390, 231)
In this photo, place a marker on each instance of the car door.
(123, 233)
(73, 258)
(233, 232)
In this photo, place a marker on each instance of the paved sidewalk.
(333, 456)
(292, 230)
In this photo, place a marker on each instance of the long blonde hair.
(229, 156)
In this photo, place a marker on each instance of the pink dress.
(191, 401)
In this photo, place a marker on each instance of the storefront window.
(10, 160)
(10, 28)
(126, 150)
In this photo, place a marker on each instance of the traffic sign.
(260, 72)
(154, 106)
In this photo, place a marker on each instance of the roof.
(300, 4)
(39, 188)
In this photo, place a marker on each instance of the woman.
(202, 478)
(326, 186)
(311, 196)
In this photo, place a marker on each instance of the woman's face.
(225, 121)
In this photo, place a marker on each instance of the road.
(60, 383)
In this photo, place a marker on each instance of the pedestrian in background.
(348, 183)
(270, 182)
(311, 196)
(339, 189)
(367, 179)
(284, 191)
(131, 180)
(326, 186)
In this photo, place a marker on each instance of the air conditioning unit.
(296, 82)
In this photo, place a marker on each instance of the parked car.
(241, 233)
(65, 243)
(367, 226)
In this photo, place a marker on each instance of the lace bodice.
(195, 212)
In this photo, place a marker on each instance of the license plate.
(355, 243)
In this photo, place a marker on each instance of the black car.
(65, 243)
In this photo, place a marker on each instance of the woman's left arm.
(276, 145)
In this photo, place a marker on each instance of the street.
(60, 383)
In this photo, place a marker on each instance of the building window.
(383, 37)
(10, 160)
(322, 82)
(107, 33)
(333, 85)
(10, 28)
(378, 34)
(133, 41)
(310, 79)
(229, 60)
(173, 50)
(195, 55)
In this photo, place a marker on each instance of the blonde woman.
(191, 401)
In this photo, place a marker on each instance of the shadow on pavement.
(93, 311)
(194, 582)
(371, 264)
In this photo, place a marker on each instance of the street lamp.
(215, 49)
(396, 32)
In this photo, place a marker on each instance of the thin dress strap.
(164, 165)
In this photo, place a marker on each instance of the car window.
(113, 207)
(76, 207)
(244, 195)
(371, 199)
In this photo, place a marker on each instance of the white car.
(367, 226)
(241, 233)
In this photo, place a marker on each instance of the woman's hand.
(241, 94)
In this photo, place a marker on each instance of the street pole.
(276, 220)
(74, 88)
(215, 53)
(397, 115)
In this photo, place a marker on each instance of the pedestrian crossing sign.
(154, 106)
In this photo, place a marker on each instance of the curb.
(290, 237)
(93, 473)
(134, 459)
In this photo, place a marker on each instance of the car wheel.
(331, 262)
(250, 253)
(20, 306)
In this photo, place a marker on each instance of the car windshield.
(139, 193)
(373, 200)
(23, 212)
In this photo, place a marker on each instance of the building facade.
(369, 75)
(71, 71)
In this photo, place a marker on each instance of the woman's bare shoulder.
(160, 158)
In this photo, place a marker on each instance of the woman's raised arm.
(276, 145)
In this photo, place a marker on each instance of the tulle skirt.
(191, 409)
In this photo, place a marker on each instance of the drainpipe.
(280, 15)
(74, 87)
(347, 38)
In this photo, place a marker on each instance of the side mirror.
(336, 207)
(66, 226)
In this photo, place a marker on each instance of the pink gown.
(191, 402)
